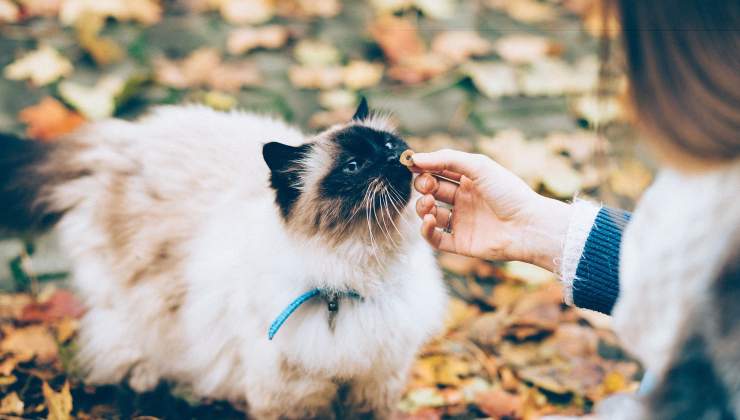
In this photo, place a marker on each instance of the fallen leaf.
(12, 304)
(398, 38)
(203, 67)
(243, 40)
(597, 110)
(94, 102)
(314, 53)
(232, 76)
(459, 313)
(528, 11)
(498, 403)
(580, 146)
(144, 11)
(326, 119)
(459, 46)
(103, 50)
(338, 99)
(419, 68)
(437, 9)
(493, 79)
(309, 8)
(11, 404)
(362, 74)
(522, 48)
(49, 119)
(42, 66)
(8, 11)
(219, 100)
(59, 404)
(527, 273)
(630, 179)
(40, 7)
(311, 77)
(247, 11)
(62, 304)
(29, 342)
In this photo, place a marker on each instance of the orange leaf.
(49, 119)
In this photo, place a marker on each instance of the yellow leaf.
(42, 66)
(524, 48)
(103, 50)
(59, 403)
(94, 102)
(11, 404)
(29, 342)
(316, 53)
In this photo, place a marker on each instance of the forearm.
(580, 242)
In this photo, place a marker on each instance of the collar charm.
(332, 303)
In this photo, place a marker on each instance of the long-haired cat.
(192, 230)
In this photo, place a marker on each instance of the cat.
(191, 230)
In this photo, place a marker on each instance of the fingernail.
(424, 183)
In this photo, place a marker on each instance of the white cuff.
(580, 224)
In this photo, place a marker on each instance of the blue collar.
(331, 296)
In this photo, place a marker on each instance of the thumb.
(468, 164)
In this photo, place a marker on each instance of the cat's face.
(348, 180)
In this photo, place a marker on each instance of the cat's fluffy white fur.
(181, 199)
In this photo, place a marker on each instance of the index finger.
(449, 163)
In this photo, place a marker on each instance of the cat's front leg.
(377, 397)
(279, 391)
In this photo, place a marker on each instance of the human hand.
(495, 214)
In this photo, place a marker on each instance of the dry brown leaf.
(419, 68)
(243, 40)
(233, 76)
(203, 67)
(398, 38)
(309, 8)
(11, 404)
(498, 403)
(61, 304)
(12, 304)
(459, 313)
(29, 342)
(459, 46)
(59, 404)
(40, 7)
(49, 119)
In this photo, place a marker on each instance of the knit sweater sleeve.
(589, 267)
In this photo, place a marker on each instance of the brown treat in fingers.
(407, 158)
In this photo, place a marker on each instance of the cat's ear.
(362, 110)
(280, 157)
(285, 163)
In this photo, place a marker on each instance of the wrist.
(543, 235)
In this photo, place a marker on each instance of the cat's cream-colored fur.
(183, 260)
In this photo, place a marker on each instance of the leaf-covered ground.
(515, 79)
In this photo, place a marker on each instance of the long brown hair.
(683, 66)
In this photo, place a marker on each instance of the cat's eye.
(351, 167)
(389, 145)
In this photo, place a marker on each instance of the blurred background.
(535, 84)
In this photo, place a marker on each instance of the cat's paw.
(143, 377)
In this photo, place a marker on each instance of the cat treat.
(407, 158)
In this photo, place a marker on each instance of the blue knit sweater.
(596, 285)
